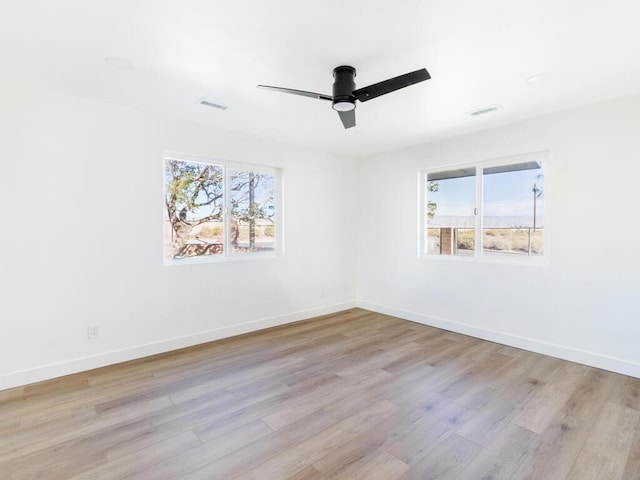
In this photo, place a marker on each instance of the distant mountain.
(489, 222)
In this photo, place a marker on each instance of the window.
(214, 210)
(451, 203)
(490, 209)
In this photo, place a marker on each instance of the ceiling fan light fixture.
(343, 106)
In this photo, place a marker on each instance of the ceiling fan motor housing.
(343, 86)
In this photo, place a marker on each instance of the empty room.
(329, 240)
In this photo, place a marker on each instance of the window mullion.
(227, 212)
(422, 212)
(478, 212)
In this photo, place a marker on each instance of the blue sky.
(507, 194)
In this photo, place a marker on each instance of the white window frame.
(228, 255)
(479, 166)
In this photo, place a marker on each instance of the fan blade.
(348, 118)
(391, 85)
(302, 93)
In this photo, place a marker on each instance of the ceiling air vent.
(207, 103)
(482, 111)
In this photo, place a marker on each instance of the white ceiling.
(479, 53)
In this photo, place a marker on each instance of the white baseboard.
(46, 372)
(559, 351)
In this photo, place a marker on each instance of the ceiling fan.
(345, 93)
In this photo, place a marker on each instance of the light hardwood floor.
(354, 395)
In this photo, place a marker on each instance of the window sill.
(222, 259)
(490, 259)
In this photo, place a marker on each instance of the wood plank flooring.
(354, 395)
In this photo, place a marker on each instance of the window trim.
(479, 166)
(228, 255)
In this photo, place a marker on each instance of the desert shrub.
(211, 231)
(513, 240)
(466, 238)
(520, 240)
(537, 241)
(504, 243)
(498, 241)
(244, 232)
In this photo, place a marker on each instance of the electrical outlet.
(92, 331)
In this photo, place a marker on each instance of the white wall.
(583, 306)
(81, 238)
(81, 232)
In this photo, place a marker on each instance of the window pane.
(252, 212)
(450, 211)
(513, 210)
(194, 206)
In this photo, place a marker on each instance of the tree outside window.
(214, 211)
